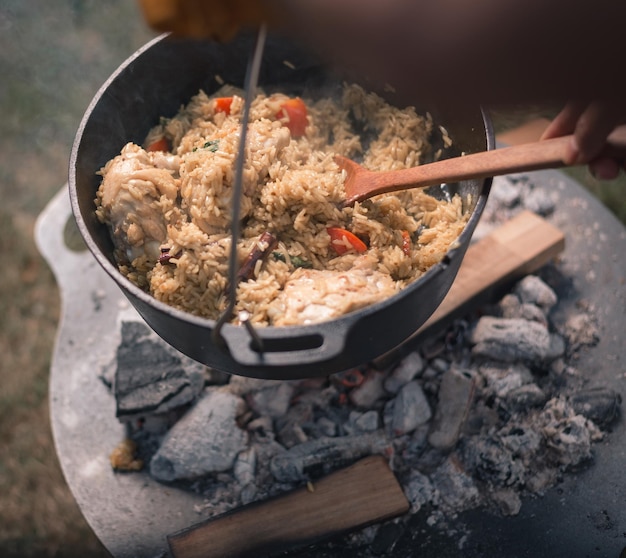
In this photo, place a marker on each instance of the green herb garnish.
(279, 256)
(297, 261)
(211, 145)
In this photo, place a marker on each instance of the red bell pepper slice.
(222, 104)
(338, 236)
(295, 116)
(159, 145)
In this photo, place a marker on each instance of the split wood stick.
(364, 493)
(517, 248)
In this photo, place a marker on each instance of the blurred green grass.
(53, 58)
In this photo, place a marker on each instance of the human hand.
(590, 124)
(216, 19)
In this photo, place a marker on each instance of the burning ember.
(489, 411)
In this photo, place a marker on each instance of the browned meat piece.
(137, 190)
(206, 187)
(312, 296)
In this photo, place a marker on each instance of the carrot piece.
(295, 116)
(222, 104)
(159, 145)
(339, 236)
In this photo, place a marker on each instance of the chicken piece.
(206, 188)
(312, 296)
(137, 190)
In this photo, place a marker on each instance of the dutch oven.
(156, 81)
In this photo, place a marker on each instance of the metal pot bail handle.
(250, 85)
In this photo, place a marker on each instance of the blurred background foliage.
(53, 58)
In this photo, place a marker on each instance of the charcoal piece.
(370, 391)
(409, 368)
(509, 306)
(272, 401)
(600, 405)
(150, 377)
(364, 422)
(524, 311)
(510, 340)
(317, 457)
(570, 438)
(557, 347)
(289, 426)
(490, 461)
(410, 409)
(133, 331)
(501, 378)
(531, 289)
(205, 440)
(523, 441)
(525, 397)
(441, 365)
(455, 399)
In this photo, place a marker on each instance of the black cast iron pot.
(155, 82)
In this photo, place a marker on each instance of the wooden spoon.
(362, 184)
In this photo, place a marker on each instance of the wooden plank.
(517, 248)
(364, 493)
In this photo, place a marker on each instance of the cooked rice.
(292, 188)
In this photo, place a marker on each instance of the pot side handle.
(287, 346)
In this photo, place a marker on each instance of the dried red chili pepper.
(266, 243)
(165, 256)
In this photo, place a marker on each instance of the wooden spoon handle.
(520, 158)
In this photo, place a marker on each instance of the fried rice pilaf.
(302, 257)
